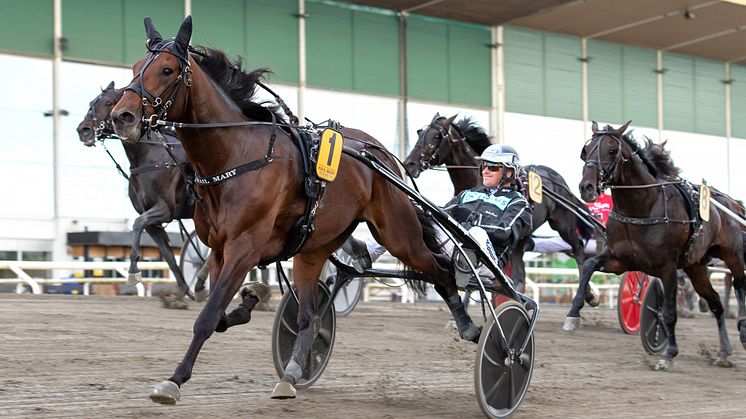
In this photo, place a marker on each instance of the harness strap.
(134, 171)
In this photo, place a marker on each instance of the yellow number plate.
(704, 202)
(534, 187)
(330, 152)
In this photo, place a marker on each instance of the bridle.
(605, 174)
(102, 128)
(156, 101)
(429, 154)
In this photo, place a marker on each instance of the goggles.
(492, 167)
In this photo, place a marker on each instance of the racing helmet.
(502, 154)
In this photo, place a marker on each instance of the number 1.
(332, 141)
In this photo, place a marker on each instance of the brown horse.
(248, 219)
(157, 189)
(655, 228)
(457, 146)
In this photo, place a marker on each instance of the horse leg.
(739, 284)
(306, 271)
(570, 236)
(701, 283)
(518, 275)
(230, 273)
(160, 238)
(200, 291)
(728, 283)
(157, 214)
(670, 288)
(602, 262)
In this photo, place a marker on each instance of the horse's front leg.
(701, 283)
(230, 272)
(160, 238)
(670, 287)
(603, 262)
(306, 271)
(157, 214)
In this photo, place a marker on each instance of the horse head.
(602, 154)
(159, 88)
(97, 121)
(432, 146)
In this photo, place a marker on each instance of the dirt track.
(69, 356)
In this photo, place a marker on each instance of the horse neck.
(634, 173)
(463, 178)
(211, 150)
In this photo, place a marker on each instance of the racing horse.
(250, 171)
(157, 189)
(458, 144)
(655, 226)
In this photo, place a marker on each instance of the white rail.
(20, 268)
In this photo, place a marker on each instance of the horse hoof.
(742, 331)
(283, 390)
(571, 324)
(724, 362)
(166, 392)
(200, 295)
(703, 306)
(663, 365)
(257, 289)
(134, 278)
(593, 300)
(472, 334)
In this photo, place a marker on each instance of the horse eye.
(167, 71)
(109, 103)
(613, 151)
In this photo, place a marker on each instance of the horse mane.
(655, 157)
(238, 84)
(475, 135)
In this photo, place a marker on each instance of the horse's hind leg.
(306, 271)
(739, 285)
(161, 239)
(670, 287)
(701, 283)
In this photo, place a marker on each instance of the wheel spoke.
(491, 393)
(290, 327)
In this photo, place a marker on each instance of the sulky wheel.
(631, 289)
(286, 329)
(500, 378)
(193, 255)
(652, 331)
(348, 296)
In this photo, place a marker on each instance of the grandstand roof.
(714, 29)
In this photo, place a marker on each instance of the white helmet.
(503, 154)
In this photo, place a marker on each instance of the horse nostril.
(125, 117)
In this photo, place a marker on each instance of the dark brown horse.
(249, 218)
(157, 189)
(655, 227)
(457, 146)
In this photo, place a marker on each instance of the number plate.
(330, 153)
(704, 202)
(534, 187)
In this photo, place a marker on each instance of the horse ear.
(582, 154)
(623, 128)
(151, 32)
(185, 32)
(110, 86)
(594, 127)
(450, 120)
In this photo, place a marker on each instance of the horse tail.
(430, 237)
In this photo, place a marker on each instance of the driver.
(495, 214)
